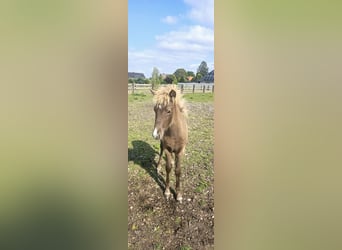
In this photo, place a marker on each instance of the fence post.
(203, 88)
(193, 88)
(133, 87)
(212, 89)
(182, 88)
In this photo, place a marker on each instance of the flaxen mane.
(162, 97)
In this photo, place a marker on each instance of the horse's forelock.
(162, 97)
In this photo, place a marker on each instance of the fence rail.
(184, 87)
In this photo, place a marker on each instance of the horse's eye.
(168, 111)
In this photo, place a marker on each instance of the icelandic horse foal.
(170, 127)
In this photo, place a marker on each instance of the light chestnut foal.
(170, 127)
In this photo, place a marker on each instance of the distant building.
(134, 75)
(208, 78)
(189, 78)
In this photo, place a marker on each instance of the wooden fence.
(184, 87)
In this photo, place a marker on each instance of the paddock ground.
(153, 222)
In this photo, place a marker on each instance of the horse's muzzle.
(155, 134)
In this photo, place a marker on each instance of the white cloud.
(201, 11)
(211, 65)
(170, 19)
(166, 61)
(184, 48)
(191, 39)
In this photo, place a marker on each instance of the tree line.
(180, 75)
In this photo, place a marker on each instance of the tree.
(202, 69)
(161, 78)
(180, 74)
(140, 80)
(190, 73)
(174, 81)
(155, 80)
(170, 79)
(198, 77)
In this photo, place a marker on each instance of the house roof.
(208, 77)
(135, 75)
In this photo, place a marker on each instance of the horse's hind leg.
(178, 176)
(168, 167)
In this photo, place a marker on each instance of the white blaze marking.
(155, 133)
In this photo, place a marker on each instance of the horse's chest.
(175, 139)
(173, 144)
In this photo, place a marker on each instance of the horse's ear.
(172, 93)
(153, 91)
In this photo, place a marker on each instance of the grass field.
(153, 222)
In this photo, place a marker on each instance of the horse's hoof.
(167, 194)
(179, 198)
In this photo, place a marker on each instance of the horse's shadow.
(143, 155)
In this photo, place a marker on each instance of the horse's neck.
(179, 121)
(179, 116)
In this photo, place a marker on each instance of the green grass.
(185, 248)
(201, 186)
(140, 97)
(199, 97)
(195, 97)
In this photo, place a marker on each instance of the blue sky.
(170, 34)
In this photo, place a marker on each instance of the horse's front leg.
(160, 156)
(178, 173)
(168, 167)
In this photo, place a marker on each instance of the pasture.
(154, 222)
